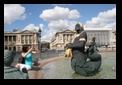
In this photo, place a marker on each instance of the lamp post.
(39, 31)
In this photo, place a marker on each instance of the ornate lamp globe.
(40, 30)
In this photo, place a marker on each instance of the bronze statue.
(79, 61)
(10, 72)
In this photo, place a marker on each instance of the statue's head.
(79, 27)
(8, 57)
(92, 41)
(93, 38)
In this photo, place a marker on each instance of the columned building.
(103, 37)
(61, 37)
(114, 39)
(15, 40)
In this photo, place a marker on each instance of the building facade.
(61, 37)
(15, 40)
(114, 38)
(103, 37)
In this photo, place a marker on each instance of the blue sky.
(52, 17)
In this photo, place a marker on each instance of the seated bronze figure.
(79, 61)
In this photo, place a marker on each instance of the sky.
(53, 17)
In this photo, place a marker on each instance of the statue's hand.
(68, 46)
(97, 49)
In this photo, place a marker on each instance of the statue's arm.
(80, 44)
(91, 50)
(96, 47)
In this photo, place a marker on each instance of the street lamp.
(36, 59)
(39, 31)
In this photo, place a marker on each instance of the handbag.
(21, 60)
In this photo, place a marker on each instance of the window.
(14, 38)
(30, 41)
(10, 48)
(26, 42)
(22, 41)
(18, 48)
(6, 38)
(10, 38)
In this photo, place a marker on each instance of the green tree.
(48, 45)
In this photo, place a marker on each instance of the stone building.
(103, 37)
(15, 40)
(114, 38)
(61, 37)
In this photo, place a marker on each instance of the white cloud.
(41, 26)
(58, 18)
(111, 25)
(31, 27)
(61, 24)
(49, 34)
(55, 26)
(106, 19)
(59, 13)
(58, 24)
(73, 14)
(13, 12)
(22, 17)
